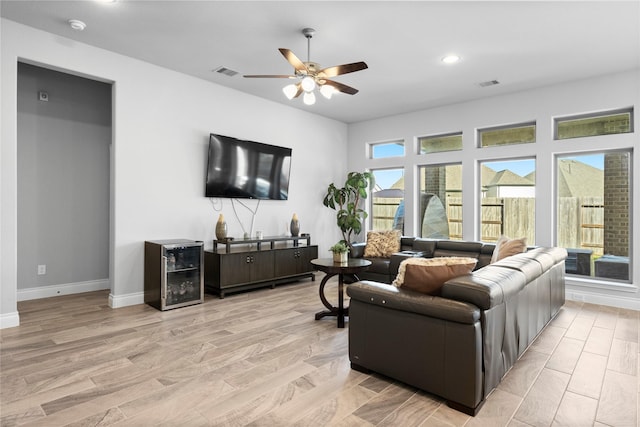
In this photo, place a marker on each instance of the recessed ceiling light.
(451, 59)
(77, 25)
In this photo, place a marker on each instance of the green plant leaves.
(345, 200)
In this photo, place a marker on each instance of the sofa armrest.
(414, 302)
(357, 250)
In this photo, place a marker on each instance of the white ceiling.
(521, 44)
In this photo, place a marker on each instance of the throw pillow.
(506, 247)
(382, 243)
(427, 275)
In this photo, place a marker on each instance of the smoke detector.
(77, 25)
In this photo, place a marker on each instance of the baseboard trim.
(118, 301)
(9, 320)
(613, 301)
(64, 289)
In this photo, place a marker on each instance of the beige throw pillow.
(427, 275)
(382, 243)
(506, 247)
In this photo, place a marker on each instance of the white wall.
(540, 105)
(161, 123)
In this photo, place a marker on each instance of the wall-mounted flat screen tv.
(247, 169)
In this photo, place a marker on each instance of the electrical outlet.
(42, 270)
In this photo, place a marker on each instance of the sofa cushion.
(459, 246)
(531, 270)
(506, 247)
(379, 265)
(488, 287)
(425, 245)
(382, 243)
(547, 256)
(427, 275)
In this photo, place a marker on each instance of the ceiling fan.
(310, 76)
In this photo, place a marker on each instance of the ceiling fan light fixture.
(309, 76)
(309, 98)
(290, 91)
(308, 84)
(327, 91)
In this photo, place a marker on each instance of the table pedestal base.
(340, 311)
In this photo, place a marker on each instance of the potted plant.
(347, 200)
(340, 251)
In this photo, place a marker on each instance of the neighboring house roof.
(399, 183)
(577, 179)
(508, 178)
(487, 174)
(454, 177)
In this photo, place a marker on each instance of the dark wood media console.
(243, 264)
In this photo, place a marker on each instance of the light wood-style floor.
(260, 359)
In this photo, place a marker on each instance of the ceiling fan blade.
(269, 76)
(342, 69)
(299, 92)
(341, 87)
(293, 60)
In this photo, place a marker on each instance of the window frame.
(479, 188)
(420, 167)
(370, 203)
(440, 135)
(599, 282)
(480, 131)
(371, 149)
(602, 113)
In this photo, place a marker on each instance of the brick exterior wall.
(616, 204)
(436, 181)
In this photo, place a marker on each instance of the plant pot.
(341, 258)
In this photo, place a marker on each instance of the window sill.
(601, 284)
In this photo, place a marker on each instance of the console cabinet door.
(306, 255)
(286, 262)
(234, 269)
(246, 267)
(261, 266)
(292, 261)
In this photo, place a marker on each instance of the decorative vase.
(340, 257)
(221, 228)
(295, 225)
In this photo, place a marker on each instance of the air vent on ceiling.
(488, 83)
(226, 71)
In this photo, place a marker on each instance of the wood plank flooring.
(260, 359)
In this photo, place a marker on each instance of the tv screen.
(247, 169)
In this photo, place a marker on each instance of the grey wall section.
(63, 178)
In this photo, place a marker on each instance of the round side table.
(331, 268)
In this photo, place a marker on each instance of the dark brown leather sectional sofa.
(460, 344)
(385, 269)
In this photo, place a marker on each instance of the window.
(440, 205)
(506, 135)
(387, 200)
(438, 143)
(386, 149)
(508, 204)
(604, 123)
(593, 202)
